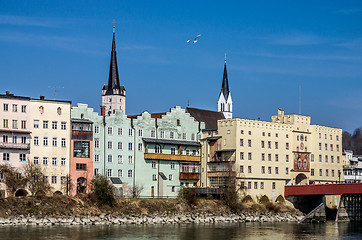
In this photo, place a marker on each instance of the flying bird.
(195, 40)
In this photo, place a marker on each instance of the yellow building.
(266, 156)
(50, 128)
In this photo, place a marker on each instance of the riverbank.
(83, 210)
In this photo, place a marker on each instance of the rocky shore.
(155, 219)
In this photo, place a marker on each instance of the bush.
(103, 190)
(189, 195)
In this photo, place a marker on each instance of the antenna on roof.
(188, 103)
(55, 89)
(300, 99)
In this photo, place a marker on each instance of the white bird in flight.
(195, 40)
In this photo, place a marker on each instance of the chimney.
(103, 111)
(42, 97)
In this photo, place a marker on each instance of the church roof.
(225, 83)
(208, 117)
(113, 78)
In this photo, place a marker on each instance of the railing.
(25, 146)
(171, 157)
(230, 159)
(189, 175)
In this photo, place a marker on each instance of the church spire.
(225, 83)
(113, 78)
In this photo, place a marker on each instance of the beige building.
(266, 156)
(50, 127)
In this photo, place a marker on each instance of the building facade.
(265, 156)
(14, 132)
(50, 127)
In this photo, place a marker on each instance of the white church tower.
(225, 104)
(113, 94)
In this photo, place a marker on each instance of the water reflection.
(252, 231)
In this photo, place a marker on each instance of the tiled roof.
(208, 117)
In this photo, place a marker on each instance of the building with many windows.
(265, 156)
(14, 132)
(50, 127)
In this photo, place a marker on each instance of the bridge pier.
(350, 208)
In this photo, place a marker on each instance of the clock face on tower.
(301, 137)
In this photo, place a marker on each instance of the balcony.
(221, 173)
(189, 176)
(170, 157)
(22, 146)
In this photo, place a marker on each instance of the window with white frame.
(110, 130)
(153, 164)
(153, 133)
(22, 157)
(63, 142)
(193, 137)
(120, 145)
(6, 156)
(96, 129)
(140, 132)
(173, 151)
(172, 135)
(170, 177)
(96, 171)
(54, 161)
(130, 173)
(55, 142)
(54, 179)
(63, 125)
(184, 136)
(120, 173)
(130, 146)
(173, 165)
(109, 172)
(63, 161)
(110, 145)
(54, 125)
(162, 135)
(140, 147)
(45, 161)
(130, 132)
(45, 141)
(154, 177)
(130, 159)
(36, 160)
(96, 158)
(96, 143)
(120, 159)
(45, 124)
(120, 131)
(36, 141)
(110, 158)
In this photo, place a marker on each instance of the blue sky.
(272, 47)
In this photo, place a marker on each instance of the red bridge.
(323, 189)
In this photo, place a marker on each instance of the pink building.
(81, 164)
(14, 134)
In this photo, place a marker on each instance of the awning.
(116, 180)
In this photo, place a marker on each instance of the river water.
(252, 231)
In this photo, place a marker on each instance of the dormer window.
(178, 122)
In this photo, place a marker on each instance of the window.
(287, 146)
(276, 145)
(273, 185)
(6, 107)
(54, 179)
(140, 147)
(242, 132)
(173, 151)
(15, 139)
(15, 107)
(249, 185)
(312, 171)
(312, 157)
(263, 156)
(184, 136)
(120, 173)
(130, 132)
(130, 173)
(331, 147)
(120, 159)
(262, 144)
(249, 156)
(110, 130)
(96, 143)
(6, 156)
(153, 133)
(15, 124)
(63, 180)
(171, 135)
(261, 185)
(337, 147)
(36, 160)
(263, 169)
(5, 138)
(120, 145)
(54, 125)
(269, 170)
(337, 138)
(158, 149)
(23, 124)
(170, 177)
(320, 158)
(249, 143)
(249, 132)
(263, 134)
(173, 165)
(255, 185)
(325, 146)
(63, 125)
(96, 171)
(36, 141)
(249, 169)
(269, 144)
(81, 167)
(269, 157)
(45, 179)
(162, 135)
(241, 156)
(332, 159)
(286, 170)
(110, 158)
(54, 161)
(241, 142)
(109, 172)
(178, 122)
(326, 158)
(22, 157)
(276, 170)
(120, 131)
(81, 149)
(130, 159)
(268, 134)
(45, 161)
(320, 172)
(6, 123)
(154, 177)
(241, 169)
(110, 145)
(63, 161)
(130, 146)
(96, 129)
(45, 124)
(276, 157)
(332, 173)
(326, 172)
(193, 137)
(23, 140)
(55, 142)
(140, 132)
(337, 159)
(45, 141)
